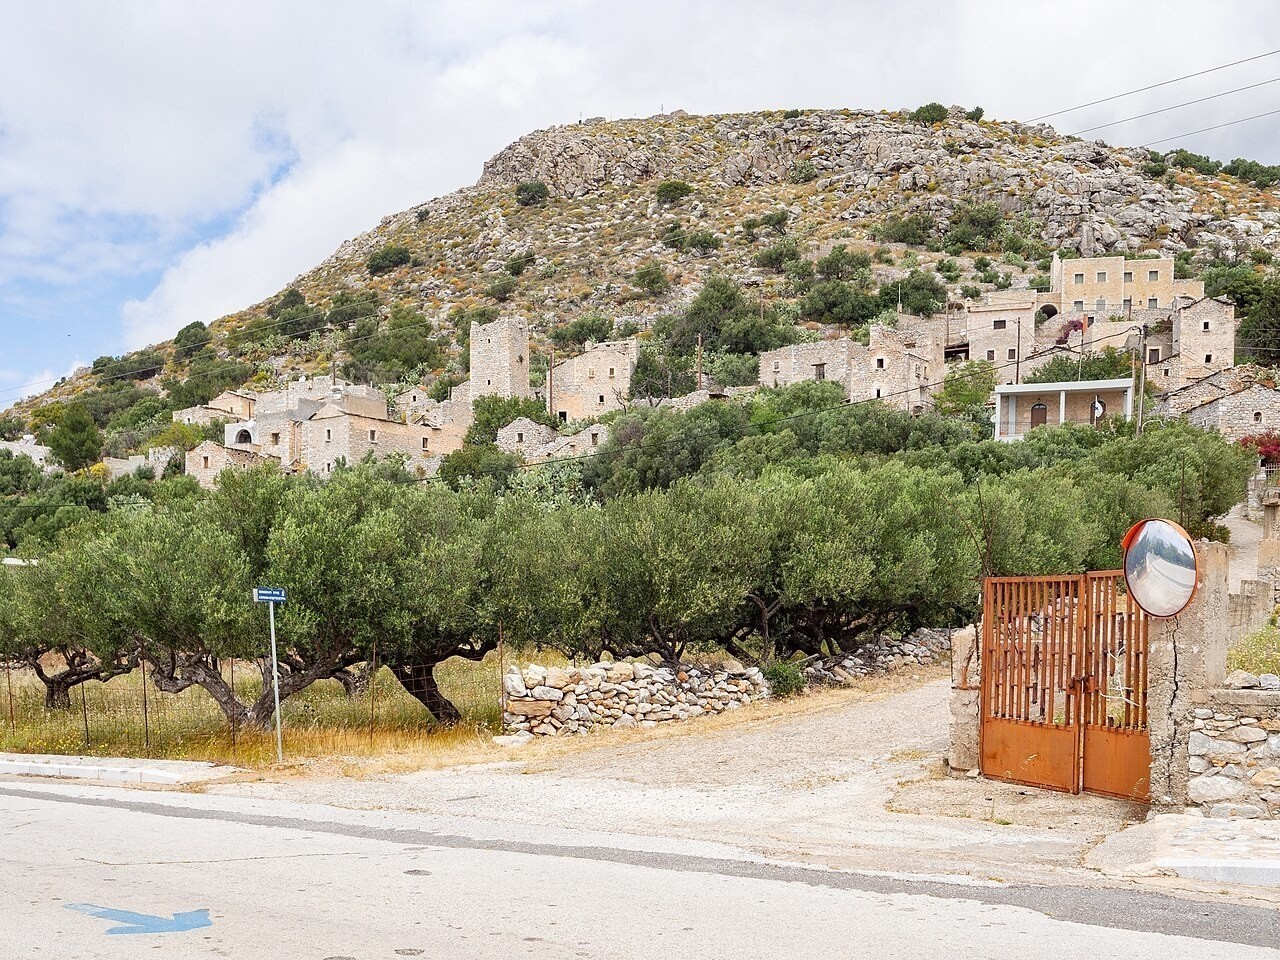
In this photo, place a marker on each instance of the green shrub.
(702, 241)
(589, 326)
(915, 229)
(948, 268)
(777, 256)
(843, 264)
(531, 193)
(929, 113)
(882, 255)
(790, 114)
(1193, 161)
(1039, 283)
(776, 220)
(519, 263)
(970, 292)
(388, 258)
(785, 678)
(672, 191)
(501, 288)
(975, 114)
(673, 235)
(191, 339)
(651, 278)
(803, 172)
(975, 226)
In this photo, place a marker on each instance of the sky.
(163, 162)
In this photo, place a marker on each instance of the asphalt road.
(268, 879)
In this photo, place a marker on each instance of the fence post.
(84, 713)
(8, 679)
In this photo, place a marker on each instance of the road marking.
(144, 922)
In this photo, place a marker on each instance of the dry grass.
(327, 734)
(318, 722)
(1257, 653)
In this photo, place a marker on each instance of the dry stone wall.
(922, 646)
(1234, 749)
(543, 701)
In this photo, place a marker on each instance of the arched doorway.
(1039, 415)
(1049, 311)
(244, 437)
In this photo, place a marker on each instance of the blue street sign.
(145, 923)
(268, 594)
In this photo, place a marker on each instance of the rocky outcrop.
(1087, 195)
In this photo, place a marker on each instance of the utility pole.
(700, 361)
(551, 385)
(1017, 355)
(1142, 378)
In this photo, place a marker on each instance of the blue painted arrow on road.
(145, 923)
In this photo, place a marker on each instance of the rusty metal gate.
(1064, 684)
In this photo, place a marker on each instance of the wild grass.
(107, 719)
(1257, 653)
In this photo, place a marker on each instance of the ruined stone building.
(26, 446)
(596, 381)
(1236, 402)
(500, 359)
(902, 367)
(310, 424)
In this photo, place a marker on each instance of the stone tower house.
(500, 358)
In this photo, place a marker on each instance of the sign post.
(271, 596)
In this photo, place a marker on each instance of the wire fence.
(129, 716)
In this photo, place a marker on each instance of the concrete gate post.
(965, 716)
(1185, 654)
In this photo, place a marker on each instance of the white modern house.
(1021, 407)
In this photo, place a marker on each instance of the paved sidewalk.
(110, 769)
(1194, 848)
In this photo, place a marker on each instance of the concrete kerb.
(125, 770)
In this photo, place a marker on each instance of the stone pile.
(1234, 749)
(922, 646)
(543, 701)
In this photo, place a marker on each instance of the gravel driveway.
(855, 782)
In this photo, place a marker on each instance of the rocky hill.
(872, 180)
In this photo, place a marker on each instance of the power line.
(1218, 126)
(1153, 86)
(1176, 106)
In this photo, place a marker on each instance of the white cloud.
(234, 145)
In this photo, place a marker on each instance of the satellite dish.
(1160, 567)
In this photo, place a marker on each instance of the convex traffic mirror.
(1160, 567)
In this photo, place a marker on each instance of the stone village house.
(1092, 303)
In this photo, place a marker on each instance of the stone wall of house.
(1233, 749)
(209, 459)
(1251, 410)
(596, 381)
(548, 701)
(500, 358)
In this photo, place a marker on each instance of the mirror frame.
(1132, 535)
